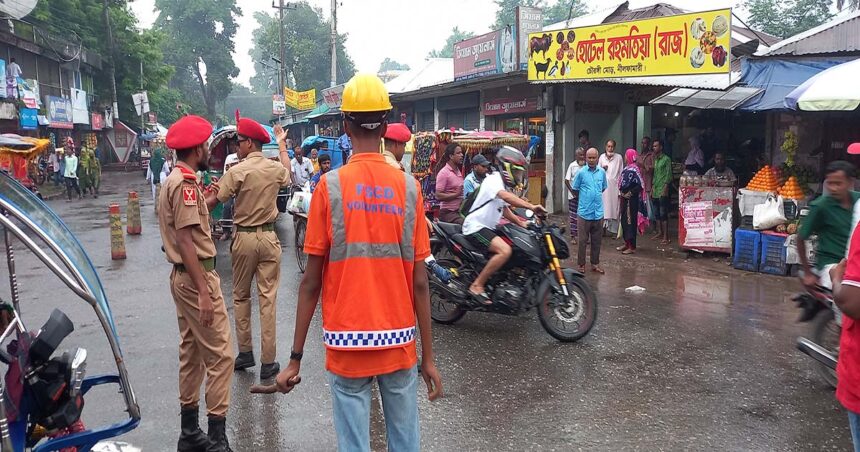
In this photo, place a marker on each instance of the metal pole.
(142, 121)
(10, 262)
(333, 42)
(111, 73)
(281, 75)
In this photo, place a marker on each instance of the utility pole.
(282, 73)
(142, 121)
(333, 42)
(111, 72)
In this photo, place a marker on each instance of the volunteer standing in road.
(364, 238)
(256, 250)
(204, 348)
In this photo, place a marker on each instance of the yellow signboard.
(301, 100)
(687, 44)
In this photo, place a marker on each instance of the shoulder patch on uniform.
(187, 174)
(189, 195)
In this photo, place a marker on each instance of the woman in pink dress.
(612, 163)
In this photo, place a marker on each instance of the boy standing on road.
(204, 328)
(366, 221)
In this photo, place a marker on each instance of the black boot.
(244, 360)
(218, 435)
(191, 438)
(268, 371)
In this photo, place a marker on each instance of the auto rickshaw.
(44, 390)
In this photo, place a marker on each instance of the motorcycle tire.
(300, 226)
(826, 333)
(556, 319)
(441, 310)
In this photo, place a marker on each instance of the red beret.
(189, 132)
(253, 130)
(398, 132)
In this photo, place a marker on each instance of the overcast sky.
(404, 30)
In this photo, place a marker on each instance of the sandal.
(481, 298)
(597, 269)
(581, 269)
(628, 251)
(621, 248)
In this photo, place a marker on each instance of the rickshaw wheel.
(300, 225)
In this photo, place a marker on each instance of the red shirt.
(848, 367)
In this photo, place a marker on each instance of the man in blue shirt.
(590, 183)
(325, 165)
(480, 168)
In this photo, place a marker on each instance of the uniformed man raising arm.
(256, 250)
(204, 329)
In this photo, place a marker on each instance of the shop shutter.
(425, 121)
(455, 119)
(472, 120)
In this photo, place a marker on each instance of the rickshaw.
(43, 392)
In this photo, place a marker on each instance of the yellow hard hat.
(365, 93)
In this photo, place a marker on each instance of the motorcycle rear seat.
(450, 228)
(461, 240)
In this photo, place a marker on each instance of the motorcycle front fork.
(555, 265)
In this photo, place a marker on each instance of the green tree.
(255, 106)
(390, 65)
(80, 22)
(307, 55)
(200, 44)
(447, 51)
(562, 9)
(784, 18)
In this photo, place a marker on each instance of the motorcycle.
(532, 278)
(818, 307)
(43, 393)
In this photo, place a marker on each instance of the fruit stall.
(770, 208)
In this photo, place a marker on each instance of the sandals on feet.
(481, 298)
(597, 269)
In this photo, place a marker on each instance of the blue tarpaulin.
(779, 77)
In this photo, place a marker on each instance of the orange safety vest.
(368, 302)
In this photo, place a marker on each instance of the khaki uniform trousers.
(256, 254)
(202, 350)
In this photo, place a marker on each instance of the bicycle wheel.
(300, 225)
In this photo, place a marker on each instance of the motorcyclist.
(488, 206)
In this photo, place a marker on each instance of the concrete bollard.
(133, 214)
(117, 241)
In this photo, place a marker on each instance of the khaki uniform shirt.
(180, 205)
(255, 182)
(392, 160)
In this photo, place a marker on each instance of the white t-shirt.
(13, 70)
(571, 174)
(303, 171)
(490, 214)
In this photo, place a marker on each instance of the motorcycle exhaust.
(816, 352)
(452, 292)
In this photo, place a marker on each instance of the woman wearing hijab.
(696, 157)
(632, 199)
(154, 172)
(612, 163)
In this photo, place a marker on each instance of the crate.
(747, 250)
(773, 255)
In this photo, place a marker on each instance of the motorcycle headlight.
(77, 371)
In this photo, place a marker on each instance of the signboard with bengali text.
(686, 44)
(488, 54)
(300, 100)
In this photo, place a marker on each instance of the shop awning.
(708, 99)
(321, 110)
(778, 77)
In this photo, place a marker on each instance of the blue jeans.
(351, 404)
(854, 423)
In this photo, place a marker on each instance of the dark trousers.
(589, 229)
(72, 183)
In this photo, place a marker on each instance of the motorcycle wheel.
(566, 322)
(826, 334)
(441, 310)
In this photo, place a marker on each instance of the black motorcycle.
(817, 306)
(532, 277)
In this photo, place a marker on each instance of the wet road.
(704, 360)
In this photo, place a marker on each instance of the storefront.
(461, 111)
(517, 109)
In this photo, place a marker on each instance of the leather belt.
(266, 227)
(208, 265)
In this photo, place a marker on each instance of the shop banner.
(686, 44)
(80, 111)
(97, 121)
(510, 105)
(28, 92)
(333, 96)
(699, 223)
(59, 112)
(279, 106)
(489, 54)
(29, 118)
(301, 100)
(529, 20)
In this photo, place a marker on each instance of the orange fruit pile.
(791, 189)
(764, 180)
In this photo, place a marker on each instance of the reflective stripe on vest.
(342, 250)
(369, 339)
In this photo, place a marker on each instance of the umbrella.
(834, 89)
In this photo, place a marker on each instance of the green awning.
(321, 110)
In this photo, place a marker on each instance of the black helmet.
(512, 164)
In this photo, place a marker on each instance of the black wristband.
(294, 356)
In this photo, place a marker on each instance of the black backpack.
(466, 206)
